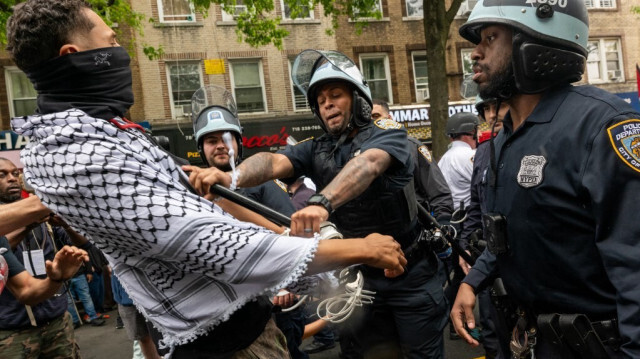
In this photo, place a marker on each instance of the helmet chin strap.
(343, 136)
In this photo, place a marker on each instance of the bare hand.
(306, 221)
(66, 263)
(285, 300)
(387, 254)
(203, 178)
(89, 278)
(463, 264)
(462, 313)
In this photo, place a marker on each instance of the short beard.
(225, 168)
(502, 85)
(7, 198)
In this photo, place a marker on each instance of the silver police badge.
(531, 171)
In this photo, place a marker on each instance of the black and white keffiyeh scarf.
(185, 263)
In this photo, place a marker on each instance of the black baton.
(268, 213)
(428, 221)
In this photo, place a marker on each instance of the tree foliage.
(259, 27)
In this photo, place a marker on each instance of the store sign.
(10, 140)
(265, 135)
(413, 116)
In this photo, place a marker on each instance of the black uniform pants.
(408, 314)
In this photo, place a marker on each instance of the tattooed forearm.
(256, 170)
(356, 176)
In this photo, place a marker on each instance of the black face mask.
(97, 82)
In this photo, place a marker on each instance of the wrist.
(319, 199)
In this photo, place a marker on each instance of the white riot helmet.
(214, 110)
(549, 40)
(313, 68)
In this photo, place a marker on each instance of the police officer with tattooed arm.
(561, 191)
(363, 170)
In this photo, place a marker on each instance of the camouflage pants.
(271, 344)
(55, 340)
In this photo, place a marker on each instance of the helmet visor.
(308, 61)
(212, 95)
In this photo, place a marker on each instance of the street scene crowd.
(359, 238)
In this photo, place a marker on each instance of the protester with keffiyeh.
(188, 266)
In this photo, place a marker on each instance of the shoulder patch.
(387, 124)
(425, 153)
(531, 171)
(281, 184)
(625, 139)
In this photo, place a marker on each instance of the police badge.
(531, 171)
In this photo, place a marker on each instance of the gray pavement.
(107, 342)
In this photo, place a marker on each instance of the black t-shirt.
(14, 264)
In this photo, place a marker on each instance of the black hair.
(39, 28)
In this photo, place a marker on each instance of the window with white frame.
(466, 7)
(377, 6)
(414, 8)
(176, 11)
(22, 95)
(420, 75)
(305, 13)
(467, 63)
(247, 81)
(299, 99)
(604, 62)
(236, 10)
(600, 4)
(185, 77)
(375, 69)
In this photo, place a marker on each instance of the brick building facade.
(391, 52)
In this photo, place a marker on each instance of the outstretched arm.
(255, 170)
(351, 181)
(29, 290)
(21, 213)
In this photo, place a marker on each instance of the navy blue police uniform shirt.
(568, 181)
(387, 135)
(272, 194)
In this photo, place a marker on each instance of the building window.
(604, 62)
(377, 7)
(306, 12)
(600, 4)
(22, 95)
(414, 8)
(420, 75)
(185, 77)
(248, 85)
(467, 63)
(375, 69)
(299, 99)
(236, 10)
(466, 7)
(176, 11)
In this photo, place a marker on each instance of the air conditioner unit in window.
(182, 111)
(239, 9)
(422, 94)
(614, 75)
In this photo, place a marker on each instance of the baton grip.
(275, 217)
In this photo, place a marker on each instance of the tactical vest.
(379, 209)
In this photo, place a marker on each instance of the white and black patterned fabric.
(186, 264)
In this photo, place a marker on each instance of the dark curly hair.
(39, 28)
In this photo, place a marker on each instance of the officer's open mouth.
(332, 116)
